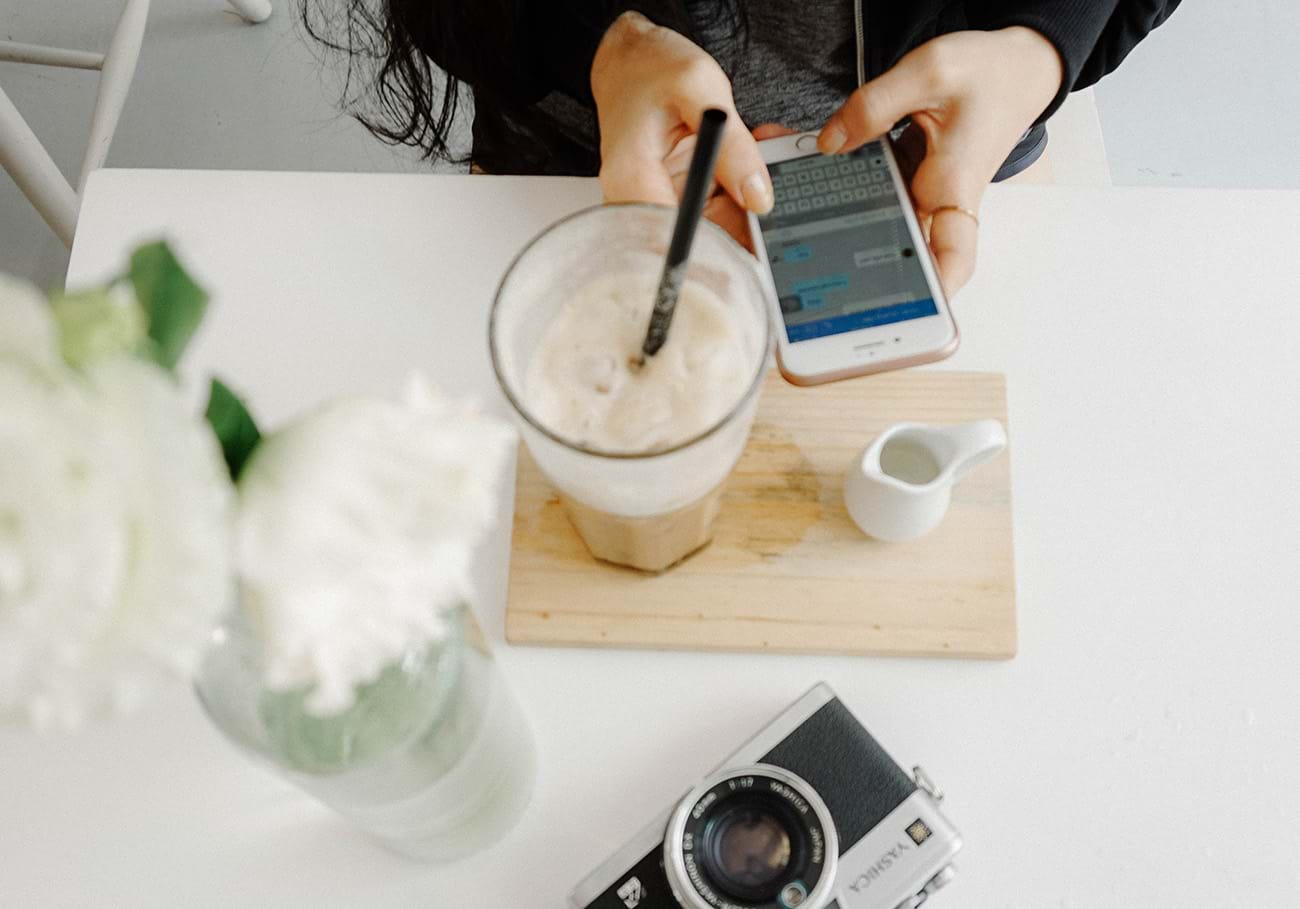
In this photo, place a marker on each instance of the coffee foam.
(581, 384)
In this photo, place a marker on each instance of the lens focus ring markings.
(755, 837)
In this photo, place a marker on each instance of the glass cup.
(644, 510)
(435, 759)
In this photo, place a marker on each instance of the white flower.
(356, 528)
(114, 528)
(26, 330)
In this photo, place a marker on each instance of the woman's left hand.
(971, 95)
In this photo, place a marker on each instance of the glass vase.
(434, 759)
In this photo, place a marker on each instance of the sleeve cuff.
(1073, 28)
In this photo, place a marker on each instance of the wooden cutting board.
(788, 570)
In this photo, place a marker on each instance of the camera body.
(810, 813)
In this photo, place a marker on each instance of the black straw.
(699, 183)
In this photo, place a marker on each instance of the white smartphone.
(854, 286)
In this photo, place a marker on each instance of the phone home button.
(806, 142)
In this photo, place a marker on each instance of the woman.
(611, 87)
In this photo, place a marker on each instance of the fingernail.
(757, 193)
(832, 139)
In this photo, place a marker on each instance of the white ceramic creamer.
(900, 486)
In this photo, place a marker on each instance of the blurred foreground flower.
(355, 531)
(114, 502)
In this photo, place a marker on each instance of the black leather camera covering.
(857, 780)
(831, 750)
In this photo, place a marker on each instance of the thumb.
(740, 170)
(874, 108)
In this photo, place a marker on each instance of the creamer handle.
(974, 443)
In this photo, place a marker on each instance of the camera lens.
(756, 837)
(747, 850)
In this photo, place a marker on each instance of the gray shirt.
(797, 64)
(794, 65)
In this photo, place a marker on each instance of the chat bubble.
(880, 255)
(821, 285)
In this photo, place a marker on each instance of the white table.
(1140, 751)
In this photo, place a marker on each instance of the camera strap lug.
(925, 784)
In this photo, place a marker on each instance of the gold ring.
(960, 210)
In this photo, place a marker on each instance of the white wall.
(1212, 98)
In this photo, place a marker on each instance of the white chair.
(24, 157)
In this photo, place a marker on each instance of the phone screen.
(841, 255)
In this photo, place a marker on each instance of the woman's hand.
(651, 86)
(971, 96)
(721, 209)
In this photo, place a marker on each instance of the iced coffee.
(638, 453)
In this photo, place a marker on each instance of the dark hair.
(399, 99)
(391, 85)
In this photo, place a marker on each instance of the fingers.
(638, 166)
(740, 168)
(722, 209)
(954, 237)
(741, 171)
(652, 87)
(771, 131)
(678, 161)
(911, 85)
(724, 212)
(945, 180)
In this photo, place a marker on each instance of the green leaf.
(233, 425)
(172, 301)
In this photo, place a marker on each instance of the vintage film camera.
(811, 813)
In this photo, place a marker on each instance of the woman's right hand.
(651, 87)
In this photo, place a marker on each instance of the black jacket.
(522, 50)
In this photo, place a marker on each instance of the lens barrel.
(758, 837)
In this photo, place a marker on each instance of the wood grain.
(788, 571)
